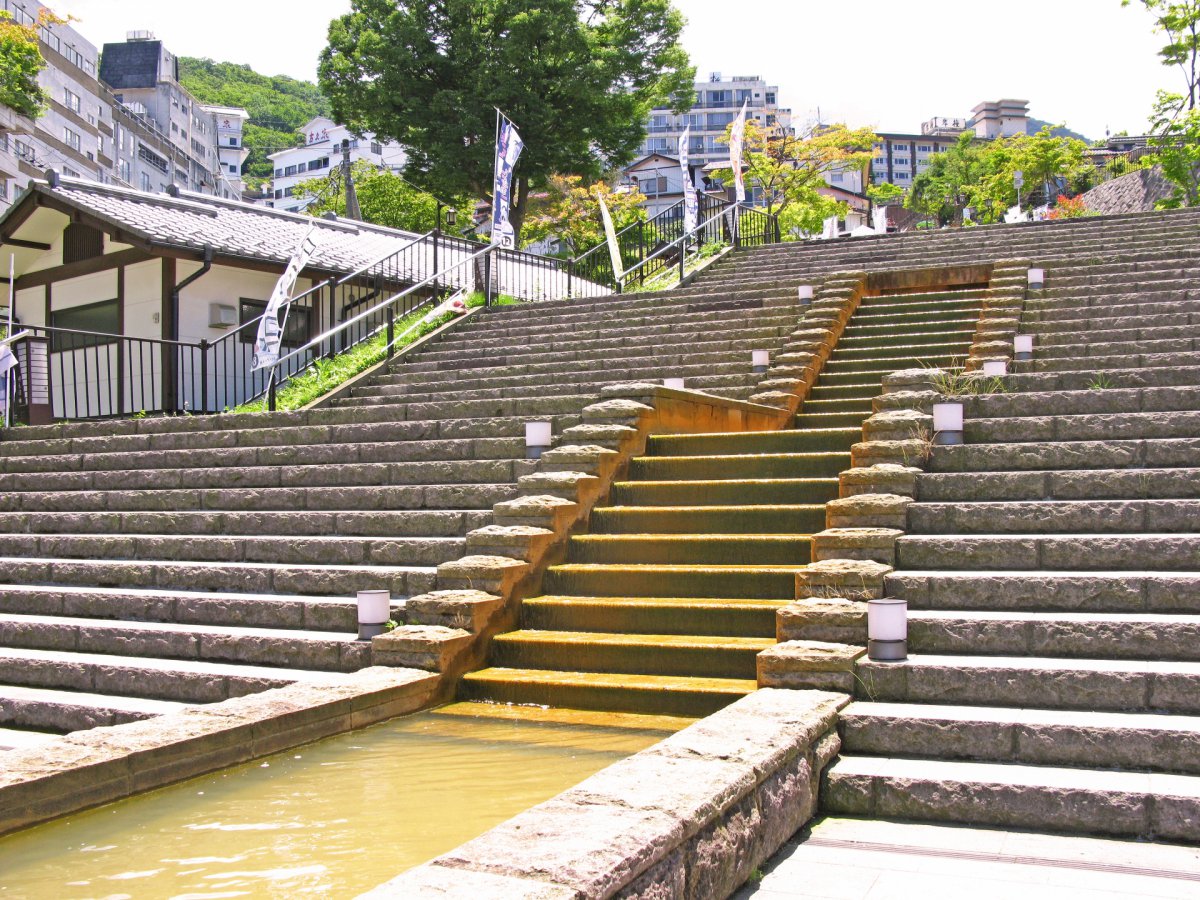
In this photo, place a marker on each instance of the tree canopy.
(577, 77)
(20, 62)
(278, 105)
(790, 170)
(980, 174)
(384, 198)
(569, 209)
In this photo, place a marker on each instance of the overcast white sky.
(890, 64)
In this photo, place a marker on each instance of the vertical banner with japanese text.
(691, 198)
(270, 332)
(508, 150)
(610, 232)
(737, 140)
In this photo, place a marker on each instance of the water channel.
(329, 819)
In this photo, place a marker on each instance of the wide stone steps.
(692, 616)
(277, 440)
(1076, 455)
(674, 695)
(286, 549)
(1120, 346)
(865, 325)
(1050, 682)
(852, 341)
(629, 580)
(637, 654)
(1042, 737)
(1080, 635)
(154, 678)
(566, 404)
(1134, 337)
(460, 471)
(700, 302)
(1048, 591)
(254, 578)
(1033, 405)
(1144, 805)
(1114, 312)
(829, 420)
(740, 519)
(396, 498)
(761, 466)
(1102, 362)
(1125, 552)
(880, 364)
(67, 710)
(901, 349)
(377, 523)
(287, 648)
(724, 492)
(187, 608)
(1055, 516)
(704, 548)
(759, 443)
(712, 383)
(1067, 486)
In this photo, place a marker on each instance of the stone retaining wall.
(690, 817)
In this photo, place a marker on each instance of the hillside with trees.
(278, 105)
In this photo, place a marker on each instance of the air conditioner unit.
(221, 316)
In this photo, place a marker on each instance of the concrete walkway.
(856, 859)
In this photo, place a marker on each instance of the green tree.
(1179, 20)
(952, 181)
(790, 170)
(384, 197)
(20, 62)
(570, 211)
(577, 77)
(884, 193)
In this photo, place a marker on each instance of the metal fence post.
(391, 331)
(271, 390)
(332, 315)
(204, 345)
(487, 278)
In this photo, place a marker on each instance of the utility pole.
(352, 208)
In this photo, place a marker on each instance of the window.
(72, 100)
(295, 334)
(233, 170)
(924, 148)
(902, 176)
(71, 139)
(233, 142)
(145, 182)
(125, 173)
(900, 161)
(836, 178)
(770, 98)
(290, 170)
(279, 173)
(100, 144)
(104, 317)
(376, 148)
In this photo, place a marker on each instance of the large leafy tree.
(791, 170)
(20, 62)
(569, 210)
(384, 197)
(577, 77)
(1176, 116)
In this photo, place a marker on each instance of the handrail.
(680, 240)
(13, 338)
(342, 326)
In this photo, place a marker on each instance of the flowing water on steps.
(332, 818)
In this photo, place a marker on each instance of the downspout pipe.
(175, 292)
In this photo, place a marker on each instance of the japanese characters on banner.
(270, 333)
(737, 138)
(508, 150)
(879, 218)
(691, 198)
(614, 249)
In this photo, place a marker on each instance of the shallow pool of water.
(330, 819)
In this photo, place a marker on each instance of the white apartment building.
(1000, 118)
(321, 151)
(229, 122)
(717, 104)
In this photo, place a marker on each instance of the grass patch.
(324, 375)
(669, 277)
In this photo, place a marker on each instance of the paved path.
(855, 859)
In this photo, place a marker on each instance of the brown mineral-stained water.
(329, 819)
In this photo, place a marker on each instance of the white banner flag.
(508, 150)
(8, 362)
(831, 228)
(737, 138)
(691, 198)
(879, 216)
(270, 334)
(614, 249)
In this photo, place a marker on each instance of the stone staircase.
(150, 564)
(664, 606)
(1052, 569)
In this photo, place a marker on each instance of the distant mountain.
(1036, 125)
(278, 105)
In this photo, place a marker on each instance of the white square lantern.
(1037, 279)
(887, 630)
(676, 383)
(995, 367)
(948, 423)
(760, 360)
(805, 293)
(1023, 347)
(537, 439)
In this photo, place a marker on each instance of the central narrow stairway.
(663, 607)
